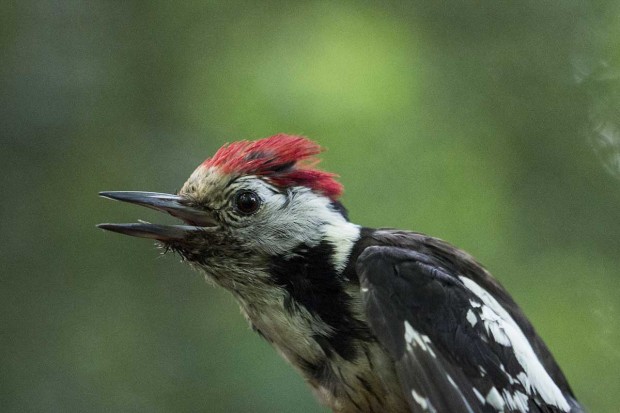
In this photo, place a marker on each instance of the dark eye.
(247, 202)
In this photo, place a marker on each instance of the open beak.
(196, 219)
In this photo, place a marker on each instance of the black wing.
(454, 350)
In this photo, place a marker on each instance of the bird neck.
(341, 235)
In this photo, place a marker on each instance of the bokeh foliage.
(465, 120)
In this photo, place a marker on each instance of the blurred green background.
(491, 124)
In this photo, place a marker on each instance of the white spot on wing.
(423, 402)
(478, 395)
(471, 317)
(415, 339)
(511, 379)
(495, 399)
(451, 381)
(458, 390)
(494, 324)
(516, 401)
(522, 377)
(409, 332)
(504, 328)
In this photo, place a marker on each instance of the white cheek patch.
(535, 379)
(300, 217)
(342, 235)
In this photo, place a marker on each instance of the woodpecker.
(375, 320)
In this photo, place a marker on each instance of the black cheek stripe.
(312, 282)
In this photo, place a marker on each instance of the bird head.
(250, 201)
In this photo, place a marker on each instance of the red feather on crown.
(286, 160)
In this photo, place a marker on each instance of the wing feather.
(453, 349)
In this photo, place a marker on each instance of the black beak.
(196, 219)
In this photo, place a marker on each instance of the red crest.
(286, 160)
